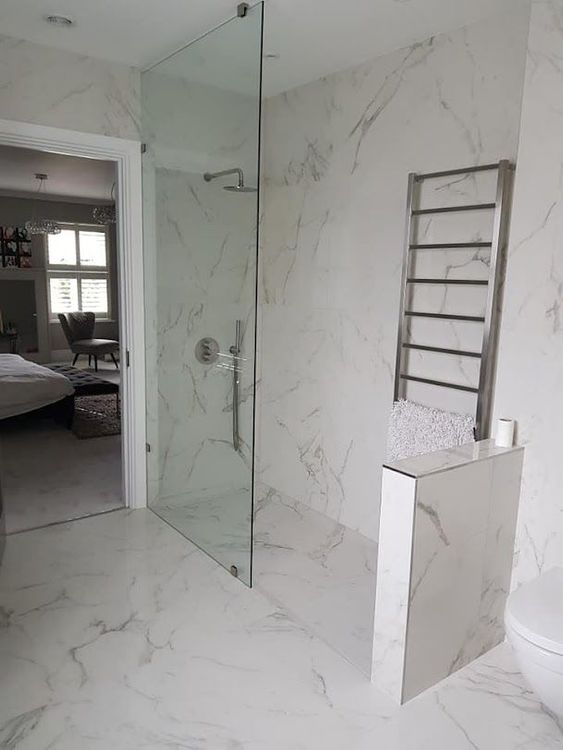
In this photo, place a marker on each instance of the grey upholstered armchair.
(78, 328)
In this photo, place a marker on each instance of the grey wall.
(16, 211)
(18, 304)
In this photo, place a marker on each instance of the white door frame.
(127, 156)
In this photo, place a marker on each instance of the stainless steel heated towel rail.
(489, 320)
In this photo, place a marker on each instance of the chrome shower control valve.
(207, 350)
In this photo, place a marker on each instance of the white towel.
(415, 429)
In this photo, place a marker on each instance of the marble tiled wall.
(530, 369)
(448, 521)
(205, 282)
(203, 277)
(393, 582)
(46, 86)
(337, 155)
(200, 264)
(319, 570)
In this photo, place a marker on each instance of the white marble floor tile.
(216, 522)
(485, 706)
(48, 475)
(118, 633)
(322, 572)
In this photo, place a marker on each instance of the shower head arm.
(208, 176)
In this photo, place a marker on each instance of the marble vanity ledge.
(449, 458)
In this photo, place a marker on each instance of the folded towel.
(415, 429)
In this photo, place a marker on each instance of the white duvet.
(25, 386)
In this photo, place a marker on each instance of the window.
(78, 270)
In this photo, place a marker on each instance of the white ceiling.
(312, 37)
(69, 176)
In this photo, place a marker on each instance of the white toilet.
(534, 627)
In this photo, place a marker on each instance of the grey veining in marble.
(432, 463)
(445, 565)
(200, 260)
(530, 367)
(47, 86)
(317, 569)
(118, 633)
(337, 155)
(216, 521)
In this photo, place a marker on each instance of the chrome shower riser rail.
(235, 352)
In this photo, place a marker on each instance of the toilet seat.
(535, 611)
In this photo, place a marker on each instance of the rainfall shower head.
(240, 187)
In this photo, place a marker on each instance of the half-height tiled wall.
(445, 562)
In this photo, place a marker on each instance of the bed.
(27, 387)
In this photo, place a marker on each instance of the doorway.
(72, 332)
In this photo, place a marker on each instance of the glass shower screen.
(201, 122)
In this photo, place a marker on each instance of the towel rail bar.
(459, 282)
(453, 172)
(445, 316)
(440, 383)
(454, 209)
(448, 245)
(442, 350)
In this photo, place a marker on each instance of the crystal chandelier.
(38, 225)
(106, 214)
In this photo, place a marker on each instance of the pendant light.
(38, 225)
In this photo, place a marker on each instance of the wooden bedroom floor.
(48, 475)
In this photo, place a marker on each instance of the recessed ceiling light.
(59, 20)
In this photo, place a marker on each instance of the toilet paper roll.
(505, 433)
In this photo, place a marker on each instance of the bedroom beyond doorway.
(60, 376)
